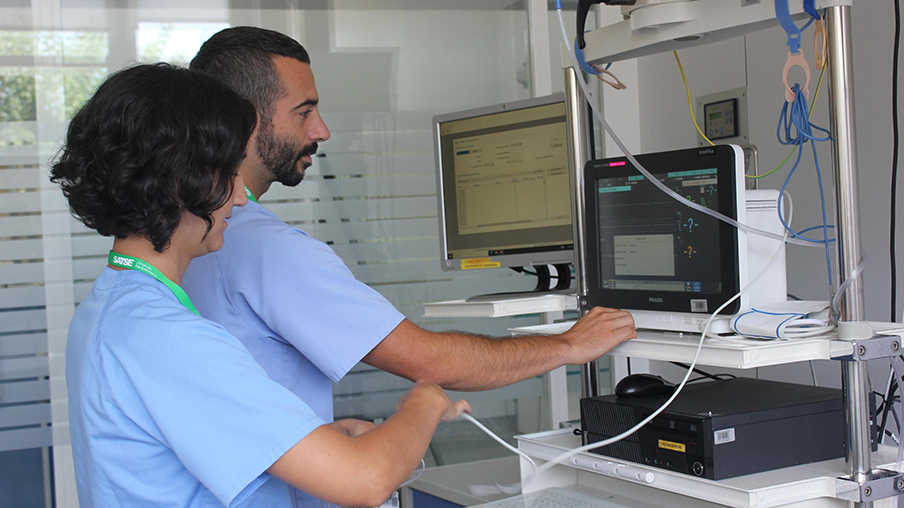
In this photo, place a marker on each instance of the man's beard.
(281, 156)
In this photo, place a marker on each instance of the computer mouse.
(643, 385)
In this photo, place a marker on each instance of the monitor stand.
(544, 279)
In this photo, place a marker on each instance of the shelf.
(738, 354)
(452, 483)
(772, 488)
(501, 308)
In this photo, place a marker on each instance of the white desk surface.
(738, 353)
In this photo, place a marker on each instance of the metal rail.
(578, 155)
(847, 230)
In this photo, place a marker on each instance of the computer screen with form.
(503, 185)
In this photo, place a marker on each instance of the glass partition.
(383, 70)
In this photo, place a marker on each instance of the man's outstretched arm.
(463, 362)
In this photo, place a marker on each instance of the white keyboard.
(552, 498)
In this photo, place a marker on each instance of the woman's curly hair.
(154, 142)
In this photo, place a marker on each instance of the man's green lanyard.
(123, 261)
(250, 195)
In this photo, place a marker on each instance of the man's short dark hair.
(153, 142)
(242, 57)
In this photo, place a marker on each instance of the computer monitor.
(503, 185)
(669, 264)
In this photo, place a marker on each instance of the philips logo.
(655, 299)
(119, 260)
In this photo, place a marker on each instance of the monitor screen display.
(503, 185)
(648, 251)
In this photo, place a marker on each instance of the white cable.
(490, 433)
(565, 456)
(894, 366)
(888, 395)
(836, 300)
(655, 181)
(418, 475)
(806, 332)
(662, 408)
(784, 239)
(799, 329)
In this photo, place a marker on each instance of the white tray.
(738, 354)
(763, 490)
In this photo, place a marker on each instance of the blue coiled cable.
(794, 128)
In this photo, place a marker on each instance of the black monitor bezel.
(723, 157)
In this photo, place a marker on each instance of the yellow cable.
(812, 105)
(689, 106)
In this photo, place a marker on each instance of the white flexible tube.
(662, 408)
(839, 293)
(894, 366)
(783, 238)
(674, 195)
(565, 456)
(490, 433)
(888, 395)
(420, 471)
(836, 300)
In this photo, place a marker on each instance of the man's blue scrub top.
(293, 303)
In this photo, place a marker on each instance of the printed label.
(121, 261)
(478, 263)
(668, 445)
(723, 436)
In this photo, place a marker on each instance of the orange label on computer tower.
(476, 263)
(668, 445)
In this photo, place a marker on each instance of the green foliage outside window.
(70, 64)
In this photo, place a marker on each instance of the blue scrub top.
(293, 303)
(167, 408)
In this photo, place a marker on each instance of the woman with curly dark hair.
(166, 407)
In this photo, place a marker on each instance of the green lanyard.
(123, 261)
(250, 195)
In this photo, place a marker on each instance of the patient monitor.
(669, 264)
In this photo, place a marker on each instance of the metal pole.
(847, 231)
(578, 155)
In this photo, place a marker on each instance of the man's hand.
(432, 393)
(596, 333)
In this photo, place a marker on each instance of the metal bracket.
(881, 484)
(879, 346)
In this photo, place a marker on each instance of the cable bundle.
(795, 128)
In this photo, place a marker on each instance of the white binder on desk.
(502, 307)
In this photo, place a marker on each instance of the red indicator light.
(613, 164)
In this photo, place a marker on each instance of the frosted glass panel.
(383, 70)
